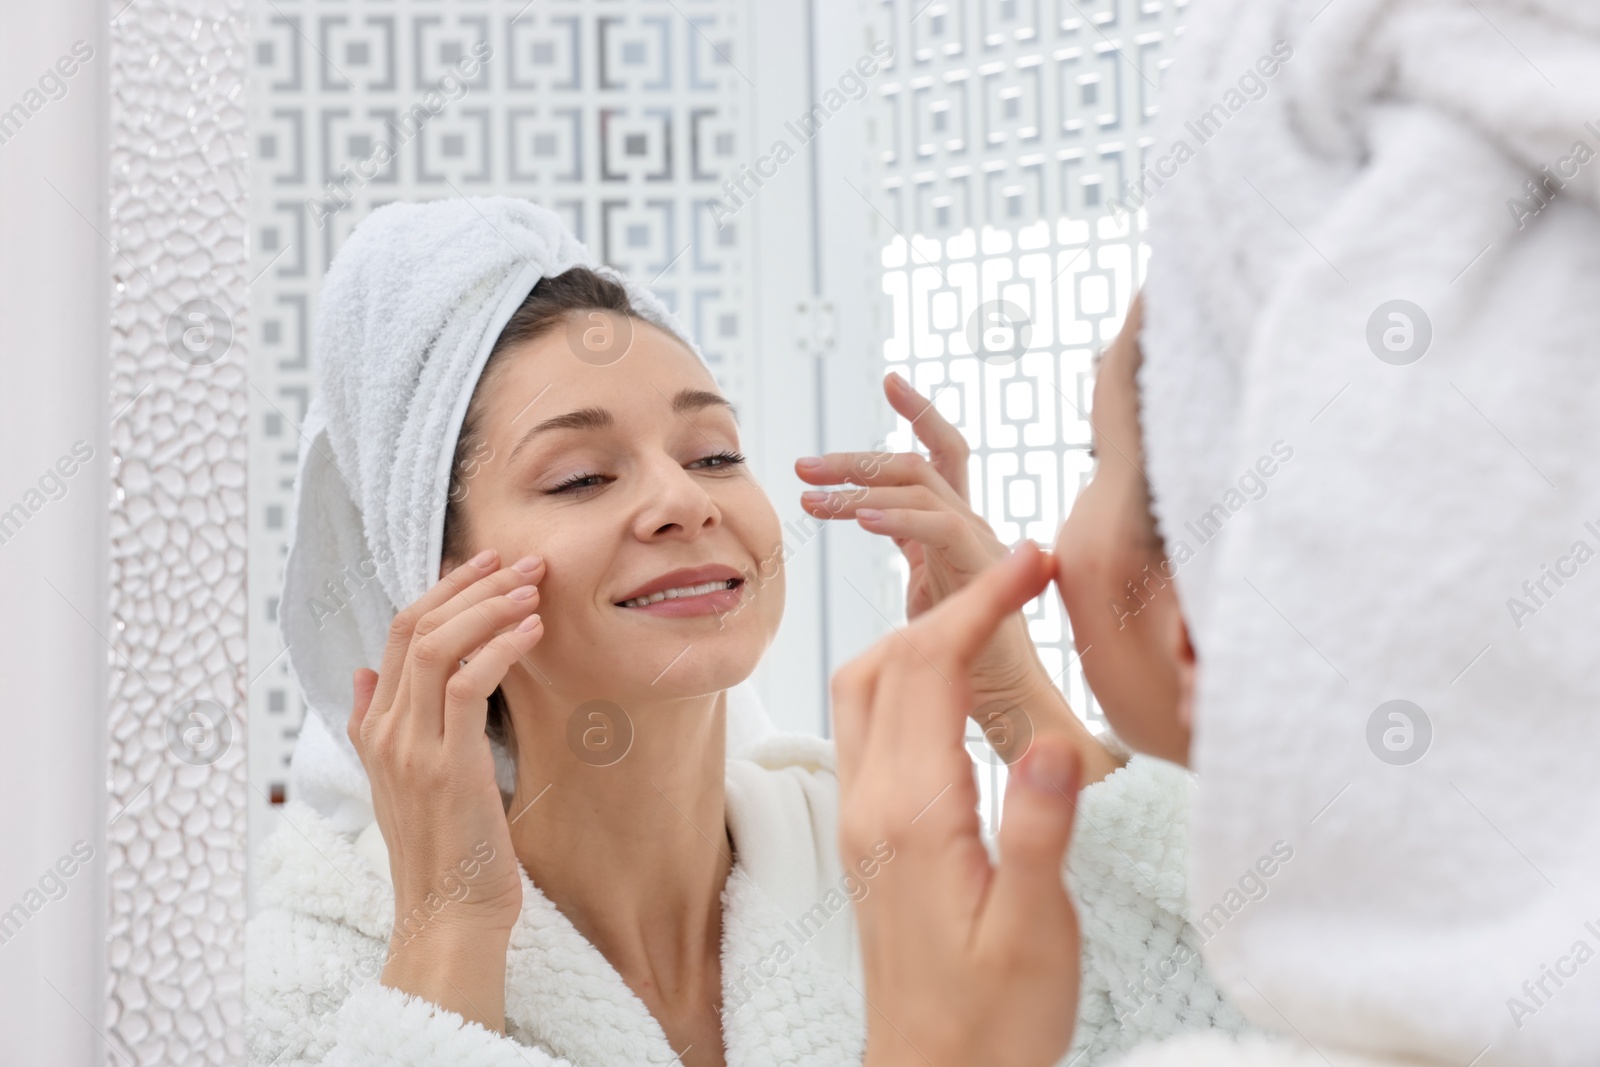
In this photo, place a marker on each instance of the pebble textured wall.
(176, 764)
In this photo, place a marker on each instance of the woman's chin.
(687, 665)
(1153, 729)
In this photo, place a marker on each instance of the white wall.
(53, 329)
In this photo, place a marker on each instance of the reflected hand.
(923, 505)
(419, 727)
(920, 503)
(965, 962)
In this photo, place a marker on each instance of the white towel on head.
(1427, 905)
(409, 312)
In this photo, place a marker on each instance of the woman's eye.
(720, 459)
(578, 483)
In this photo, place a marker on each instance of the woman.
(1396, 640)
(607, 571)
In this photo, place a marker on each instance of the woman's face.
(627, 479)
(1115, 580)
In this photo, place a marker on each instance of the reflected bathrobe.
(791, 969)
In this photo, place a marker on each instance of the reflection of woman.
(561, 861)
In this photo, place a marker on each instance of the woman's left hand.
(922, 504)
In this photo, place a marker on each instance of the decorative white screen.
(622, 116)
(1003, 133)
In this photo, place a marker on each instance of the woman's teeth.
(680, 591)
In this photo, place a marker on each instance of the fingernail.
(528, 624)
(523, 592)
(814, 497)
(1050, 770)
(808, 462)
(483, 559)
(869, 514)
(527, 564)
(897, 376)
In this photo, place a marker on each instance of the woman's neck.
(630, 843)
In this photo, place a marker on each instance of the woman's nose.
(675, 504)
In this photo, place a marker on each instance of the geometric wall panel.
(1004, 138)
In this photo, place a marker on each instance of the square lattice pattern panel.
(622, 116)
(1001, 136)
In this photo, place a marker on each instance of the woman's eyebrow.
(689, 400)
(582, 419)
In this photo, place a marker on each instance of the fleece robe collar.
(790, 995)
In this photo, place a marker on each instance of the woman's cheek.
(755, 525)
(1077, 576)
(567, 572)
(774, 590)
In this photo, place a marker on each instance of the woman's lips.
(701, 590)
(719, 602)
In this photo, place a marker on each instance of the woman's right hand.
(966, 961)
(419, 728)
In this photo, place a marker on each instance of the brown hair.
(546, 306)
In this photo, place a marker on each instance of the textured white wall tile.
(176, 775)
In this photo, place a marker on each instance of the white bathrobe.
(791, 969)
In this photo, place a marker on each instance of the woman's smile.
(708, 590)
